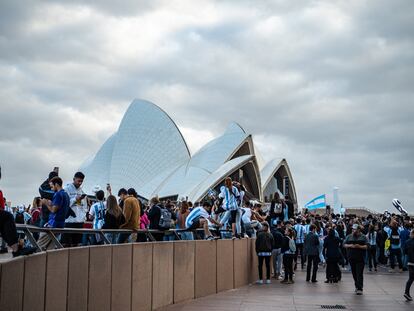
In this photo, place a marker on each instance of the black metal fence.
(52, 234)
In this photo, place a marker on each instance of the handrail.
(28, 230)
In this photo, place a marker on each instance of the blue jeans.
(112, 237)
(186, 235)
(169, 237)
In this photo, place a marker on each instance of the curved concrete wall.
(142, 276)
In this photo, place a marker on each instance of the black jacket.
(273, 213)
(111, 222)
(277, 239)
(331, 246)
(409, 250)
(264, 242)
(154, 216)
(311, 245)
(356, 254)
(381, 238)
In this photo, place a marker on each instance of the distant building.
(357, 211)
(149, 153)
(360, 211)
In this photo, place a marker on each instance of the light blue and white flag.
(318, 202)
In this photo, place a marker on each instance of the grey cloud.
(336, 104)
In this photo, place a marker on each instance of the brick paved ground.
(382, 291)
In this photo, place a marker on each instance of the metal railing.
(53, 233)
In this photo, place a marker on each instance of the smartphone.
(83, 196)
(56, 169)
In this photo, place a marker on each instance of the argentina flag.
(318, 202)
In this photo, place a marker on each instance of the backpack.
(165, 219)
(19, 218)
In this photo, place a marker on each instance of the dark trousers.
(313, 261)
(266, 259)
(8, 228)
(395, 253)
(158, 236)
(381, 255)
(71, 239)
(288, 264)
(372, 256)
(141, 237)
(299, 247)
(357, 268)
(123, 237)
(344, 256)
(332, 269)
(410, 279)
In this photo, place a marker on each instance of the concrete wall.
(144, 276)
(184, 266)
(225, 265)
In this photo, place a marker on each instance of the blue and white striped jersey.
(300, 233)
(229, 198)
(98, 212)
(198, 212)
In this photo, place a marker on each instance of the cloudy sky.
(326, 84)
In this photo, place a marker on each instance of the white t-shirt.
(79, 209)
(247, 216)
(98, 212)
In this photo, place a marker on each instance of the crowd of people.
(334, 242)
(285, 240)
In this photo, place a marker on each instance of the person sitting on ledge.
(199, 218)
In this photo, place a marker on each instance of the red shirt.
(35, 215)
(2, 204)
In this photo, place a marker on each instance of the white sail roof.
(147, 144)
(149, 153)
(206, 161)
(97, 168)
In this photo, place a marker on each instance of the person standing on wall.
(230, 196)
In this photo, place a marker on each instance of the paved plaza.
(382, 291)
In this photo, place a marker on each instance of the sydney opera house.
(149, 153)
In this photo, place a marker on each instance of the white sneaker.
(268, 282)
(260, 282)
